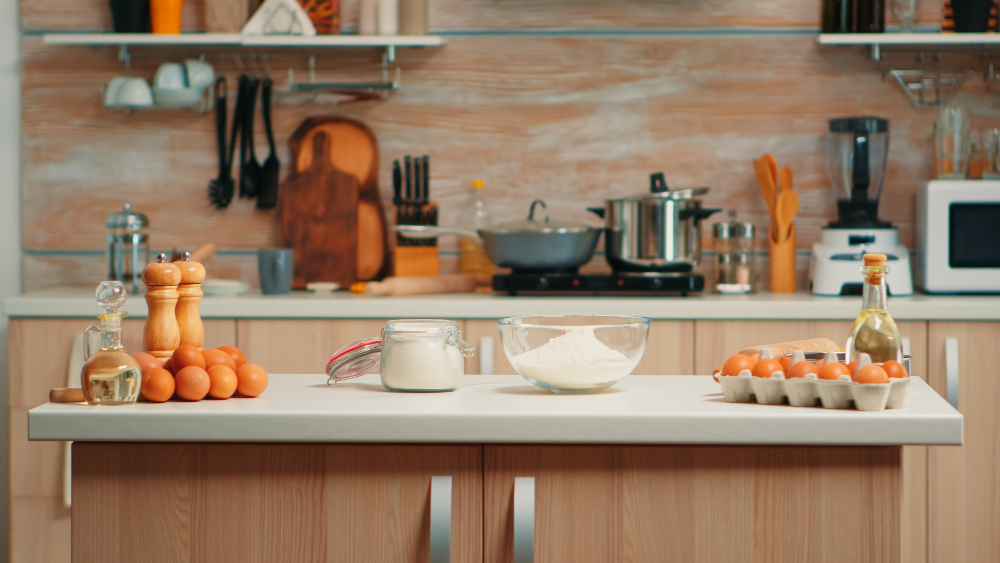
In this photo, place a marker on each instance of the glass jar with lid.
(414, 355)
(127, 246)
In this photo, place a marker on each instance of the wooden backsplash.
(570, 101)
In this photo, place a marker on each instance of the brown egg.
(872, 373)
(833, 370)
(801, 369)
(157, 385)
(146, 362)
(192, 383)
(185, 356)
(222, 381)
(236, 354)
(251, 380)
(215, 357)
(764, 368)
(852, 366)
(736, 364)
(785, 362)
(895, 370)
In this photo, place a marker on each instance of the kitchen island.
(655, 468)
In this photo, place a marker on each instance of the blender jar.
(857, 148)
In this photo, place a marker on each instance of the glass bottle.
(874, 332)
(111, 376)
(472, 256)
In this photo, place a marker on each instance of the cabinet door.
(300, 346)
(717, 340)
(669, 350)
(964, 491)
(39, 360)
(654, 504)
(255, 503)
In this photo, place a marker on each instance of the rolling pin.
(781, 349)
(415, 285)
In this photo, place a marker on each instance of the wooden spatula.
(787, 208)
(769, 190)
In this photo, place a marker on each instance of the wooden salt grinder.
(162, 335)
(189, 291)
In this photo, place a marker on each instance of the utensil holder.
(783, 264)
(423, 258)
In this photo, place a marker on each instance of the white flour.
(574, 360)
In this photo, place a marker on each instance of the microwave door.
(974, 235)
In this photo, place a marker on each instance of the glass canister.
(734, 256)
(413, 355)
(127, 246)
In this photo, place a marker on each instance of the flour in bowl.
(574, 360)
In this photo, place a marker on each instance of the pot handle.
(599, 211)
(424, 231)
(658, 183)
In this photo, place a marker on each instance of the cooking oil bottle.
(111, 376)
(473, 257)
(874, 332)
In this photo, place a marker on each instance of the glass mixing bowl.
(574, 354)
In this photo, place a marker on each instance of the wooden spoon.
(769, 190)
(786, 179)
(788, 207)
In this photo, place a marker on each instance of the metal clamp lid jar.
(127, 246)
(412, 354)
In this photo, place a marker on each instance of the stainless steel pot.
(528, 245)
(655, 232)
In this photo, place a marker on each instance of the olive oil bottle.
(874, 332)
(111, 376)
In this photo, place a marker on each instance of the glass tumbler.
(952, 143)
(991, 152)
(905, 11)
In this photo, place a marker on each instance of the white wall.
(10, 221)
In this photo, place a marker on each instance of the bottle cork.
(189, 300)
(875, 260)
(162, 334)
(874, 268)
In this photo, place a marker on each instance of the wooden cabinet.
(39, 357)
(669, 350)
(250, 503)
(964, 481)
(605, 504)
(300, 346)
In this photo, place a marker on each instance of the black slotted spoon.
(250, 173)
(271, 169)
(220, 190)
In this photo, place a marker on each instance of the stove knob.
(656, 283)
(576, 282)
(542, 283)
(621, 282)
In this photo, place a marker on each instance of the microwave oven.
(958, 232)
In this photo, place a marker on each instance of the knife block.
(422, 260)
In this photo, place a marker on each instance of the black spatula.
(271, 169)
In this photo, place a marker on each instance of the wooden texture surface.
(300, 346)
(571, 119)
(964, 481)
(693, 504)
(225, 16)
(246, 503)
(40, 350)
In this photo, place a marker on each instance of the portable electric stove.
(616, 283)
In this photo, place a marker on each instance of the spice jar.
(734, 256)
(416, 355)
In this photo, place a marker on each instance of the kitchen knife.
(397, 183)
(418, 210)
(408, 170)
(426, 182)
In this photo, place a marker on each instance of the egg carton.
(810, 391)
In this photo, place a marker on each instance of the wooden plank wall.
(570, 101)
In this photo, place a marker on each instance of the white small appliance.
(958, 233)
(857, 148)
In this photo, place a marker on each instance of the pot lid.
(127, 219)
(546, 225)
(658, 190)
(354, 360)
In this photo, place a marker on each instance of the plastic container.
(473, 258)
(166, 16)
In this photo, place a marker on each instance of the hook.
(267, 64)
(239, 63)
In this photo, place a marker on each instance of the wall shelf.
(908, 39)
(236, 39)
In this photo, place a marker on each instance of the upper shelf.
(133, 39)
(913, 39)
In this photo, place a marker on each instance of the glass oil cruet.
(874, 332)
(111, 376)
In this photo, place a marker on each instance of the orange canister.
(166, 15)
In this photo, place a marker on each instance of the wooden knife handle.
(66, 395)
(780, 349)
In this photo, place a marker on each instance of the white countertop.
(500, 409)
(79, 302)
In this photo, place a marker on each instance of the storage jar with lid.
(127, 246)
(414, 355)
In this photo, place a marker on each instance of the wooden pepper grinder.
(189, 291)
(162, 335)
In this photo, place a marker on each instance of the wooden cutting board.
(332, 212)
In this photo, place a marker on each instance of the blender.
(857, 148)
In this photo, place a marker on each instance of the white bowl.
(132, 92)
(171, 76)
(216, 287)
(200, 74)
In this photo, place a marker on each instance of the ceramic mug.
(274, 265)
(133, 92)
(200, 74)
(170, 76)
(112, 89)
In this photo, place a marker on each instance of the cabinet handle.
(440, 520)
(486, 355)
(906, 345)
(951, 369)
(524, 520)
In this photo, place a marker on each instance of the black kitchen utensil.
(397, 183)
(418, 210)
(241, 102)
(408, 172)
(250, 175)
(426, 168)
(220, 190)
(130, 16)
(271, 169)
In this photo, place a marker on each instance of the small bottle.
(874, 332)
(111, 376)
(473, 257)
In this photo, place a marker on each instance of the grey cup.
(274, 265)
